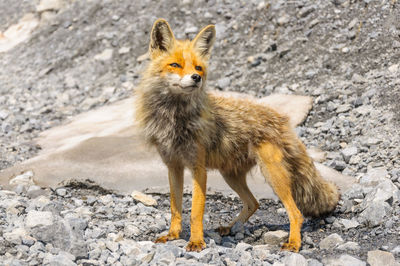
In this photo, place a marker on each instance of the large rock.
(105, 145)
(345, 260)
(374, 176)
(379, 258)
(66, 234)
(375, 213)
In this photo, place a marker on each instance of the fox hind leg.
(238, 183)
(273, 168)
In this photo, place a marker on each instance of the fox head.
(180, 65)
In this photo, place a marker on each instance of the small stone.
(61, 259)
(46, 5)
(105, 55)
(314, 262)
(281, 212)
(3, 114)
(38, 218)
(345, 260)
(131, 230)
(261, 252)
(124, 50)
(304, 12)
(345, 50)
(115, 17)
(343, 108)
(379, 257)
(338, 165)
(143, 57)
(35, 191)
(357, 78)
(374, 176)
(223, 83)
(295, 259)
(349, 246)
(143, 198)
(275, 237)
(192, 30)
(348, 224)
(374, 214)
(394, 68)
(331, 241)
(15, 236)
(238, 227)
(243, 247)
(396, 251)
(373, 141)
(348, 152)
(23, 179)
(352, 23)
(61, 192)
(283, 20)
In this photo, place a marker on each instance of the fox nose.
(196, 78)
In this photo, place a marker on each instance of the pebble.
(349, 246)
(45, 5)
(348, 152)
(295, 259)
(223, 83)
(143, 198)
(38, 218)
(275, 237)
(331, 241)
(23, 179)
(348, 224)
(105, 55)
(61, 192)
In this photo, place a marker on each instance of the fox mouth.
(186, 88)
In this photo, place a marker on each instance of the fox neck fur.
(175, 123)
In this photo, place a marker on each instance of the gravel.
(343, 53)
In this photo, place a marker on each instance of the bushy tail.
(313, 195)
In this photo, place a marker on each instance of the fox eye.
(175, 65)
(198, 68)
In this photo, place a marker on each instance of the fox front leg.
(196, 242)
(175, 176)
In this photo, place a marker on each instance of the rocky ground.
(86, 54)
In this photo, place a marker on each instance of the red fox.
(198, 130)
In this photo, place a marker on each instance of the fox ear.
(204, 41)
(161, 38)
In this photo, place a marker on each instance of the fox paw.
(166, 238)
(224, 230)
(290, 246)
(196, 246)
